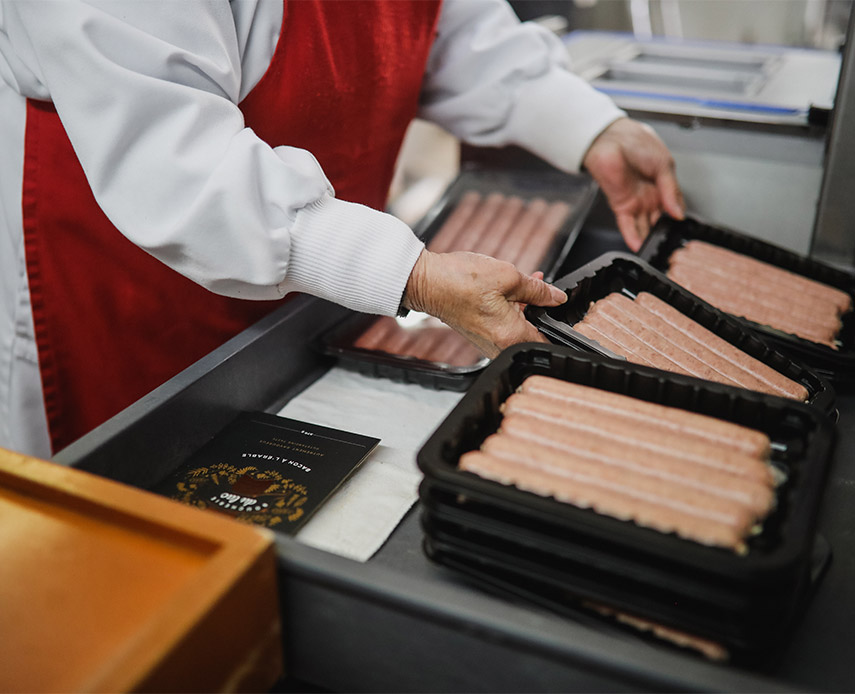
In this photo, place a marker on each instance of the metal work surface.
(400, 623)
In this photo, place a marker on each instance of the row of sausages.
(763, 293)
(705, 479)
(504, 227)
(647, 330)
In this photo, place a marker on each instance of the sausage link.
(542, 238)
(631, 432)
(752, 289)
(632, 347)
(651, 415)
(376, 333)
(816, 328)
(447, 234)
(789, 281)
(598, 336)
(479, 224)
(502, 225)
(670, 468)
(619, 502)
(515, 241)
(693, 330)
(646, 327)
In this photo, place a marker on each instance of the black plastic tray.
(502, 573)
(749, 619)
(836, 365)
(623, 272)
(778, 559)
(557, 551)
(578, 191)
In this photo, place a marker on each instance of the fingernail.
(558, 295)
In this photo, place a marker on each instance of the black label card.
(268, 470)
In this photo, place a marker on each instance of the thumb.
(530, 290)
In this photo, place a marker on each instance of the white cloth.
(357, 519)
(148, 91)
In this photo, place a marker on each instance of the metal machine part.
(833, 234)
(740, 121)
(723, 81)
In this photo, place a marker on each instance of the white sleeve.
(147, 92)
(494, 81)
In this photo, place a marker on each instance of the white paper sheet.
(358, 518)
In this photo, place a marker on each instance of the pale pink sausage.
(622, 502)
(634, 433)
(502, 225)
(707, 363)
(670, 468)
(752, 289)
(818, 328)
(445, 237)
(376, 333)
(569, 464)
(652, 415)
(542, 238)
(622, 309)
(766, 374)
(789, 281)
(478, 225)
(516, 239)
(631, 346)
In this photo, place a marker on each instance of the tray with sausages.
(685, 502)
(620, 306)
(530, 218)
(800, 304)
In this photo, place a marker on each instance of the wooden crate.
(104, 587)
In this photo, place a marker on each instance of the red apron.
(112, 323)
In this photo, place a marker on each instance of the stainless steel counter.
(400, 623)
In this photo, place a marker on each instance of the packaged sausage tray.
(743, 601)
(418, 349)
(625, 274)
(837, 365)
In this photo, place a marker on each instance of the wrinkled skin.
(635, 171)
(483, 298)
(480, 297)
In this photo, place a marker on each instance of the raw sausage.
(619, 501)
(670, 468)
(633, 433)
(652, 415)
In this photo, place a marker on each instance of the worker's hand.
(635, 171)
(480, 297)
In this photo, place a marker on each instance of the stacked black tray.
(576, 561)
(838, 366)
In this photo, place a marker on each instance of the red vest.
(112, 323)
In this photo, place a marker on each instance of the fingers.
(533, 290)
(670, 193)
(633, 229)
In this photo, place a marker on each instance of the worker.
(172, 170)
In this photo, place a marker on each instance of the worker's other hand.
(635, 171)
(480, 297)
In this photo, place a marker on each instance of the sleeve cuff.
(352, 255)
